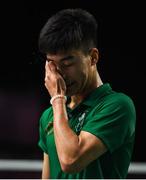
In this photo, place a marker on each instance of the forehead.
(62, 55)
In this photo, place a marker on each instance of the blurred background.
(23, 96)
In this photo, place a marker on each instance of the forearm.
(46, 167)
(67, 142)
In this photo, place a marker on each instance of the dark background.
(23, 96)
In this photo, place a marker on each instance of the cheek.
(78, 73)
(83, 70)
(81, 76)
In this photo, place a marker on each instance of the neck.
(78, 98)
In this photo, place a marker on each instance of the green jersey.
(108, 115)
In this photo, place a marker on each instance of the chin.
(68, 93)
(71, 92)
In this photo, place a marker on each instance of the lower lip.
(70, 85)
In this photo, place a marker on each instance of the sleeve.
(42, 137)
(112, 123)
(42, 126)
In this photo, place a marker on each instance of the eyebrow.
(63, 59)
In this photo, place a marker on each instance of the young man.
(88, 132)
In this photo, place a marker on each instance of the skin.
(73, 74)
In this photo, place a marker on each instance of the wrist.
(58, 97)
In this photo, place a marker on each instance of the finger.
(52, 66)
(47, 69)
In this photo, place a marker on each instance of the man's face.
(75, 70)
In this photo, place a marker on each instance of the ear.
(94, 54)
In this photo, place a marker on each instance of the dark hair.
(67, 30)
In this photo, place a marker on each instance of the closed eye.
(65, 62)
(68, 63)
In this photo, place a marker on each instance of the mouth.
(70, 84)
